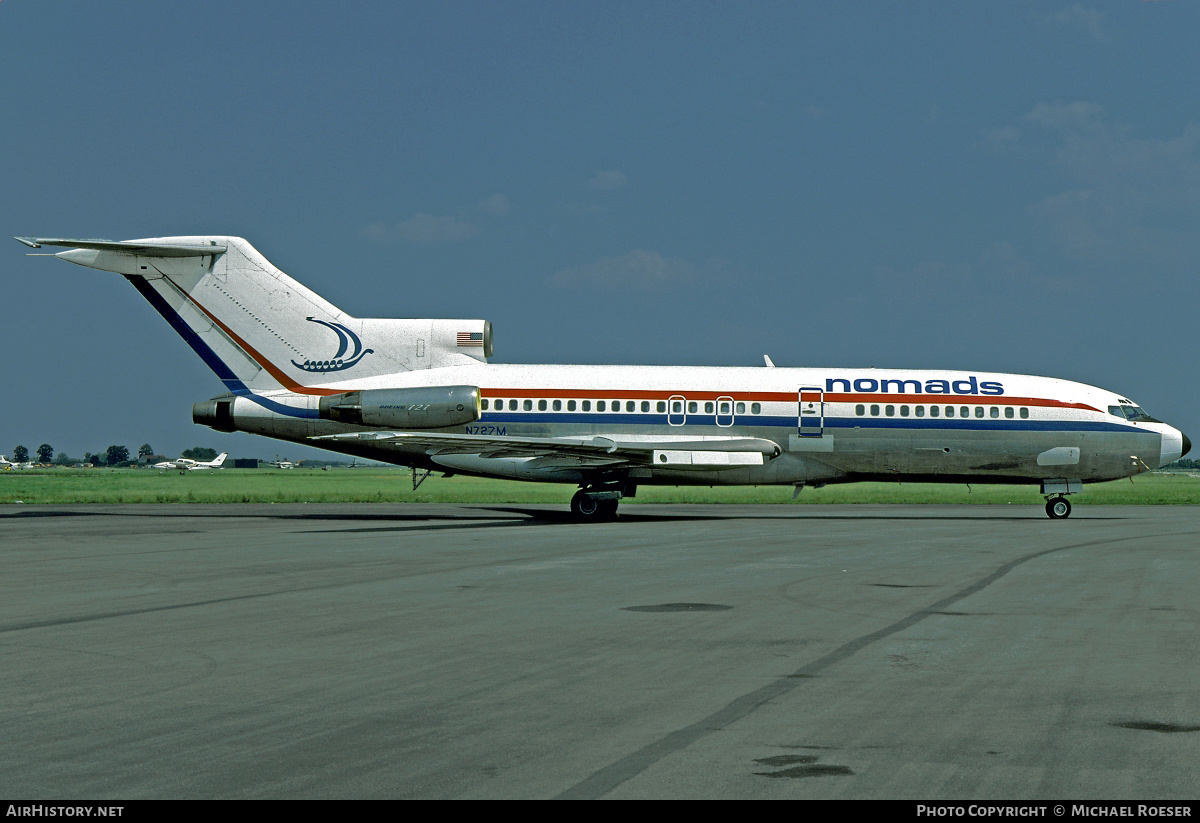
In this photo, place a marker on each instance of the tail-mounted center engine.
(420, 408)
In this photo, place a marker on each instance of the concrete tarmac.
(686, 651)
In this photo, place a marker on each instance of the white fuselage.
(857, 423)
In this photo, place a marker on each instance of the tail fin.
(216, 464)
(259, 329)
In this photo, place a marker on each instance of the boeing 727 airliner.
(421, 393)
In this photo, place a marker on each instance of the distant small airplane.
(282, 464)
(7, 465)
(188, 464)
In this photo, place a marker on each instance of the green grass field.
(384, 485)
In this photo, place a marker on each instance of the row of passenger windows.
(726, 407)
(723, 407)
(937, 411)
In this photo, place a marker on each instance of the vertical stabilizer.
(259, 329)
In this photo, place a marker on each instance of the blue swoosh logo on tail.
(340, 359)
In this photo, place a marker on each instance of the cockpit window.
(1129, 412)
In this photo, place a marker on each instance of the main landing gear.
(586, 507)
(596, 503)
(1058, 508)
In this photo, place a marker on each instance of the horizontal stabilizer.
(126, 247)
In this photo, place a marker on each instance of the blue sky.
(1004, 186)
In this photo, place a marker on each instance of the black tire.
(1058, 508)
(585, 508)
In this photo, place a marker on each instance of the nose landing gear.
(1058, 508)
(1055, 492)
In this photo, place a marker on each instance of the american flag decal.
(470, 338)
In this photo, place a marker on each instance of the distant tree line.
(112, 456)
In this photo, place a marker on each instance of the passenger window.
(512, 405)
(528, 405)
(920, 411)
(934, 411)
(692, 407)
(1024, 413)
(661, 407)
(874, 410)
(755, 408)
(890, 411)
(645, 405)
(860, 409)
(904, 411)
(1008, 412)
(708, 408)
(724, 408)
(570, 405)
(949, 411)
(979, 411)
(995, 412)
(965, 411)
(587, 405)
(676, 407)
(483, 404)
(600, 406)
(616, 405)
(558, 405)
(541, 405)
(741, 408)
(629, 405)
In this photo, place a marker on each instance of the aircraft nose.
(1175, 444)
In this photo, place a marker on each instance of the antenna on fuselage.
(769, 362)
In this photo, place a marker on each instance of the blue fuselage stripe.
(636, 419)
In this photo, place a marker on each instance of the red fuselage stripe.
(788, 397)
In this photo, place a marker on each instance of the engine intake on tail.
(423, 408)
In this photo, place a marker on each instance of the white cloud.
(638, 269)
(1071, 218)
(999, 273)
(608, 180)
(1003, 139)
(497, 205)
(1126, 198)
(1058, 115)
(422, 229)
(1088, 20)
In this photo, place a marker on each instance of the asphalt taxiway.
(287, 651)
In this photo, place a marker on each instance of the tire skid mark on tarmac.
(613, 775)
(86, 618)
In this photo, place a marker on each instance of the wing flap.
(692, 452)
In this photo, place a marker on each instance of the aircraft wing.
(699, 452)
(124, 246)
